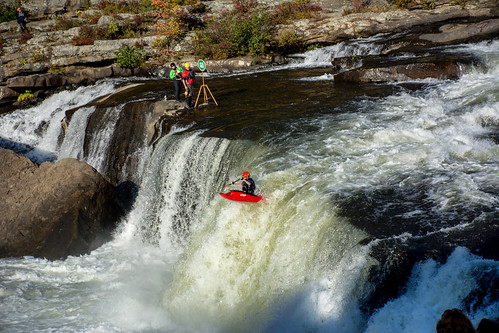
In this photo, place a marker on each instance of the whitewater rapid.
(186, 260)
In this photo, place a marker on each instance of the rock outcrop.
(331, 29)
(53, 210)
(39, 8)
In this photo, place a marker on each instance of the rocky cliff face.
(39, 8)
(53, 210)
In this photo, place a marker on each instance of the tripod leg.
(212, 95)
(205, 95)
(199, 93)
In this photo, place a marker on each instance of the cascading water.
(36, 131)
(342, 184)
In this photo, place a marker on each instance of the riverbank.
(49, 60)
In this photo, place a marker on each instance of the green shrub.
(246, 30)
(56, 70)
(38, 56)
(25, 96)
(290, 41)
(129, 56)
(189, 17)
(7, 14)
(404, 3)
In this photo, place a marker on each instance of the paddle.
(233, 182)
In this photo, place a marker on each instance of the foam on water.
(39, 127)
(432, 289)
(187, 260)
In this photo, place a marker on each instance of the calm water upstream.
(359, 180)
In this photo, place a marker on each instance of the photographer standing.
(22, 19)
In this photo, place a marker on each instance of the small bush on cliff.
(191, 17)
(297, 10)
(25, 36)
(290, 41)
(78, 41)
(245, 30)
(38, 56)
(25, 96)
(357, 6)
(129, 56)
(7, 13)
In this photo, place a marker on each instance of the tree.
(168, 26)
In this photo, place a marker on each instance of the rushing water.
(347, 172)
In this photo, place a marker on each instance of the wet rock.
(332, 29)
(447, 24)
(455, 33)
(52, 210)
(83, 75)
(36, 81)
(139, 125)
(445, 70)
(7, 93)
(436, 65)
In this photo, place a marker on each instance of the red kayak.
(241, 196)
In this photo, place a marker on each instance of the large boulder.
(53, 210)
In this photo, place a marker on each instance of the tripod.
(204, 87)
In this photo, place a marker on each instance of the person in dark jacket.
(247, 184)
(22, 19)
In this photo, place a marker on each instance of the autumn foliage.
(168, 25)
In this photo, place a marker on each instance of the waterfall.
(359, 194)
(36, 132)
(260, 256)
(179, 181)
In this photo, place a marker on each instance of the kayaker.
(248, 184)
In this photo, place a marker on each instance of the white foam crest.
(324, 56)
(433, 288)
(434, 133)
(323, 77)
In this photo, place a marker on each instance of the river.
(380, 211)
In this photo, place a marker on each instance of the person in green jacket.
(176, 76)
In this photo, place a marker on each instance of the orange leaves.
(166, 12)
